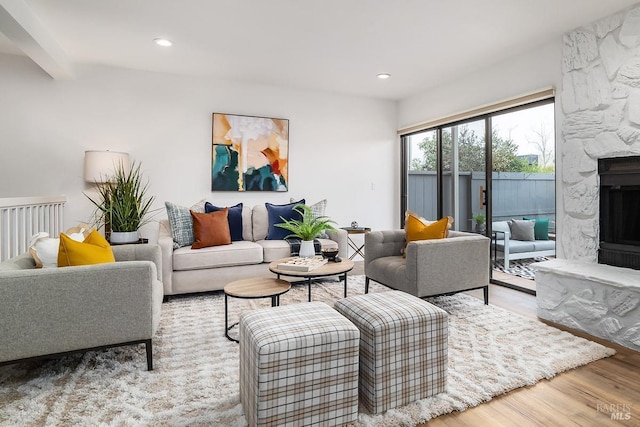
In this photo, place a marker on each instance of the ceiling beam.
(20, 25)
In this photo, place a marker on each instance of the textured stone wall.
(599, 299)
(601, 104)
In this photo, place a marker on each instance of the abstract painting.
(249, 153)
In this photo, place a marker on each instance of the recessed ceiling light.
(384, 76)
(163, 42)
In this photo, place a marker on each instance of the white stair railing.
(22, 217)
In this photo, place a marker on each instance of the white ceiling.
(330, 45)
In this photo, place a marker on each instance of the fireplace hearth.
(620, 212)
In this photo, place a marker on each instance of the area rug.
(519, 267)
(195, 381)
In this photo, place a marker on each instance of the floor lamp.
(99, 168)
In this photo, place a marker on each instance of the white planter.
(124, 237)
(307, 250)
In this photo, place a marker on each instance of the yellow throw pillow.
(418, 230)
(426, 221)
(93, 250)
(44, 249)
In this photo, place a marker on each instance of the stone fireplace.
(600, 137)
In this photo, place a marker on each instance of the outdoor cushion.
(517, 246)
(544, 245)
(541, 228)
(237, 253)
(522, 230)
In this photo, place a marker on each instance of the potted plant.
(480, 218)
(306, 229)
(123, 205)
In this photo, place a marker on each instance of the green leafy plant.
(123, 202)
(479, 218)
(307, 228)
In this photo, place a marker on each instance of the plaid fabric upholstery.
(182, 223)
(403, 348)
(298, 366)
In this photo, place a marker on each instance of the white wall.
(531, 71)
(342, 148)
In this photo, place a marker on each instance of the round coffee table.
(258, 287)
(339, 269)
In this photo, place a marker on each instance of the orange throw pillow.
(210, 229)
(417, 229)
(93, 250)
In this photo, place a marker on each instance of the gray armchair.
(55, 311)
(432, 267)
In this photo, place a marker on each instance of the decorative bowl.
(330, 254)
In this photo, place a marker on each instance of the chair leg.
(366, 285)
(486, 295)
(149, 347)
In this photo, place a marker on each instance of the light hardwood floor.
(574, 398)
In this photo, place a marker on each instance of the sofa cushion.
(237, 253)
(93, 250)
(276, 213)
(522, 230)
(260, 222)
(247, 222)
(274, 249)
(210, 229)
(234, 217)
(278, 249)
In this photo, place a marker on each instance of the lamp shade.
(99, 166)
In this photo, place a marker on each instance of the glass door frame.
(488, 199)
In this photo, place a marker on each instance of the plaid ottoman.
(403, 348)
(298, 366)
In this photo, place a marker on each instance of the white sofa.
(511, 249)
(186, 270)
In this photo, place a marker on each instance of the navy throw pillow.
(234, 217)
(277, 211)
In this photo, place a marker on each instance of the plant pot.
(481, 228)
(307, 250)
(124, 237)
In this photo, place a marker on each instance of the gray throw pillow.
(522, 230)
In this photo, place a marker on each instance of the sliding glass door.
(422, 176)
(446, 174)
(463, 172)
(484, 171)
